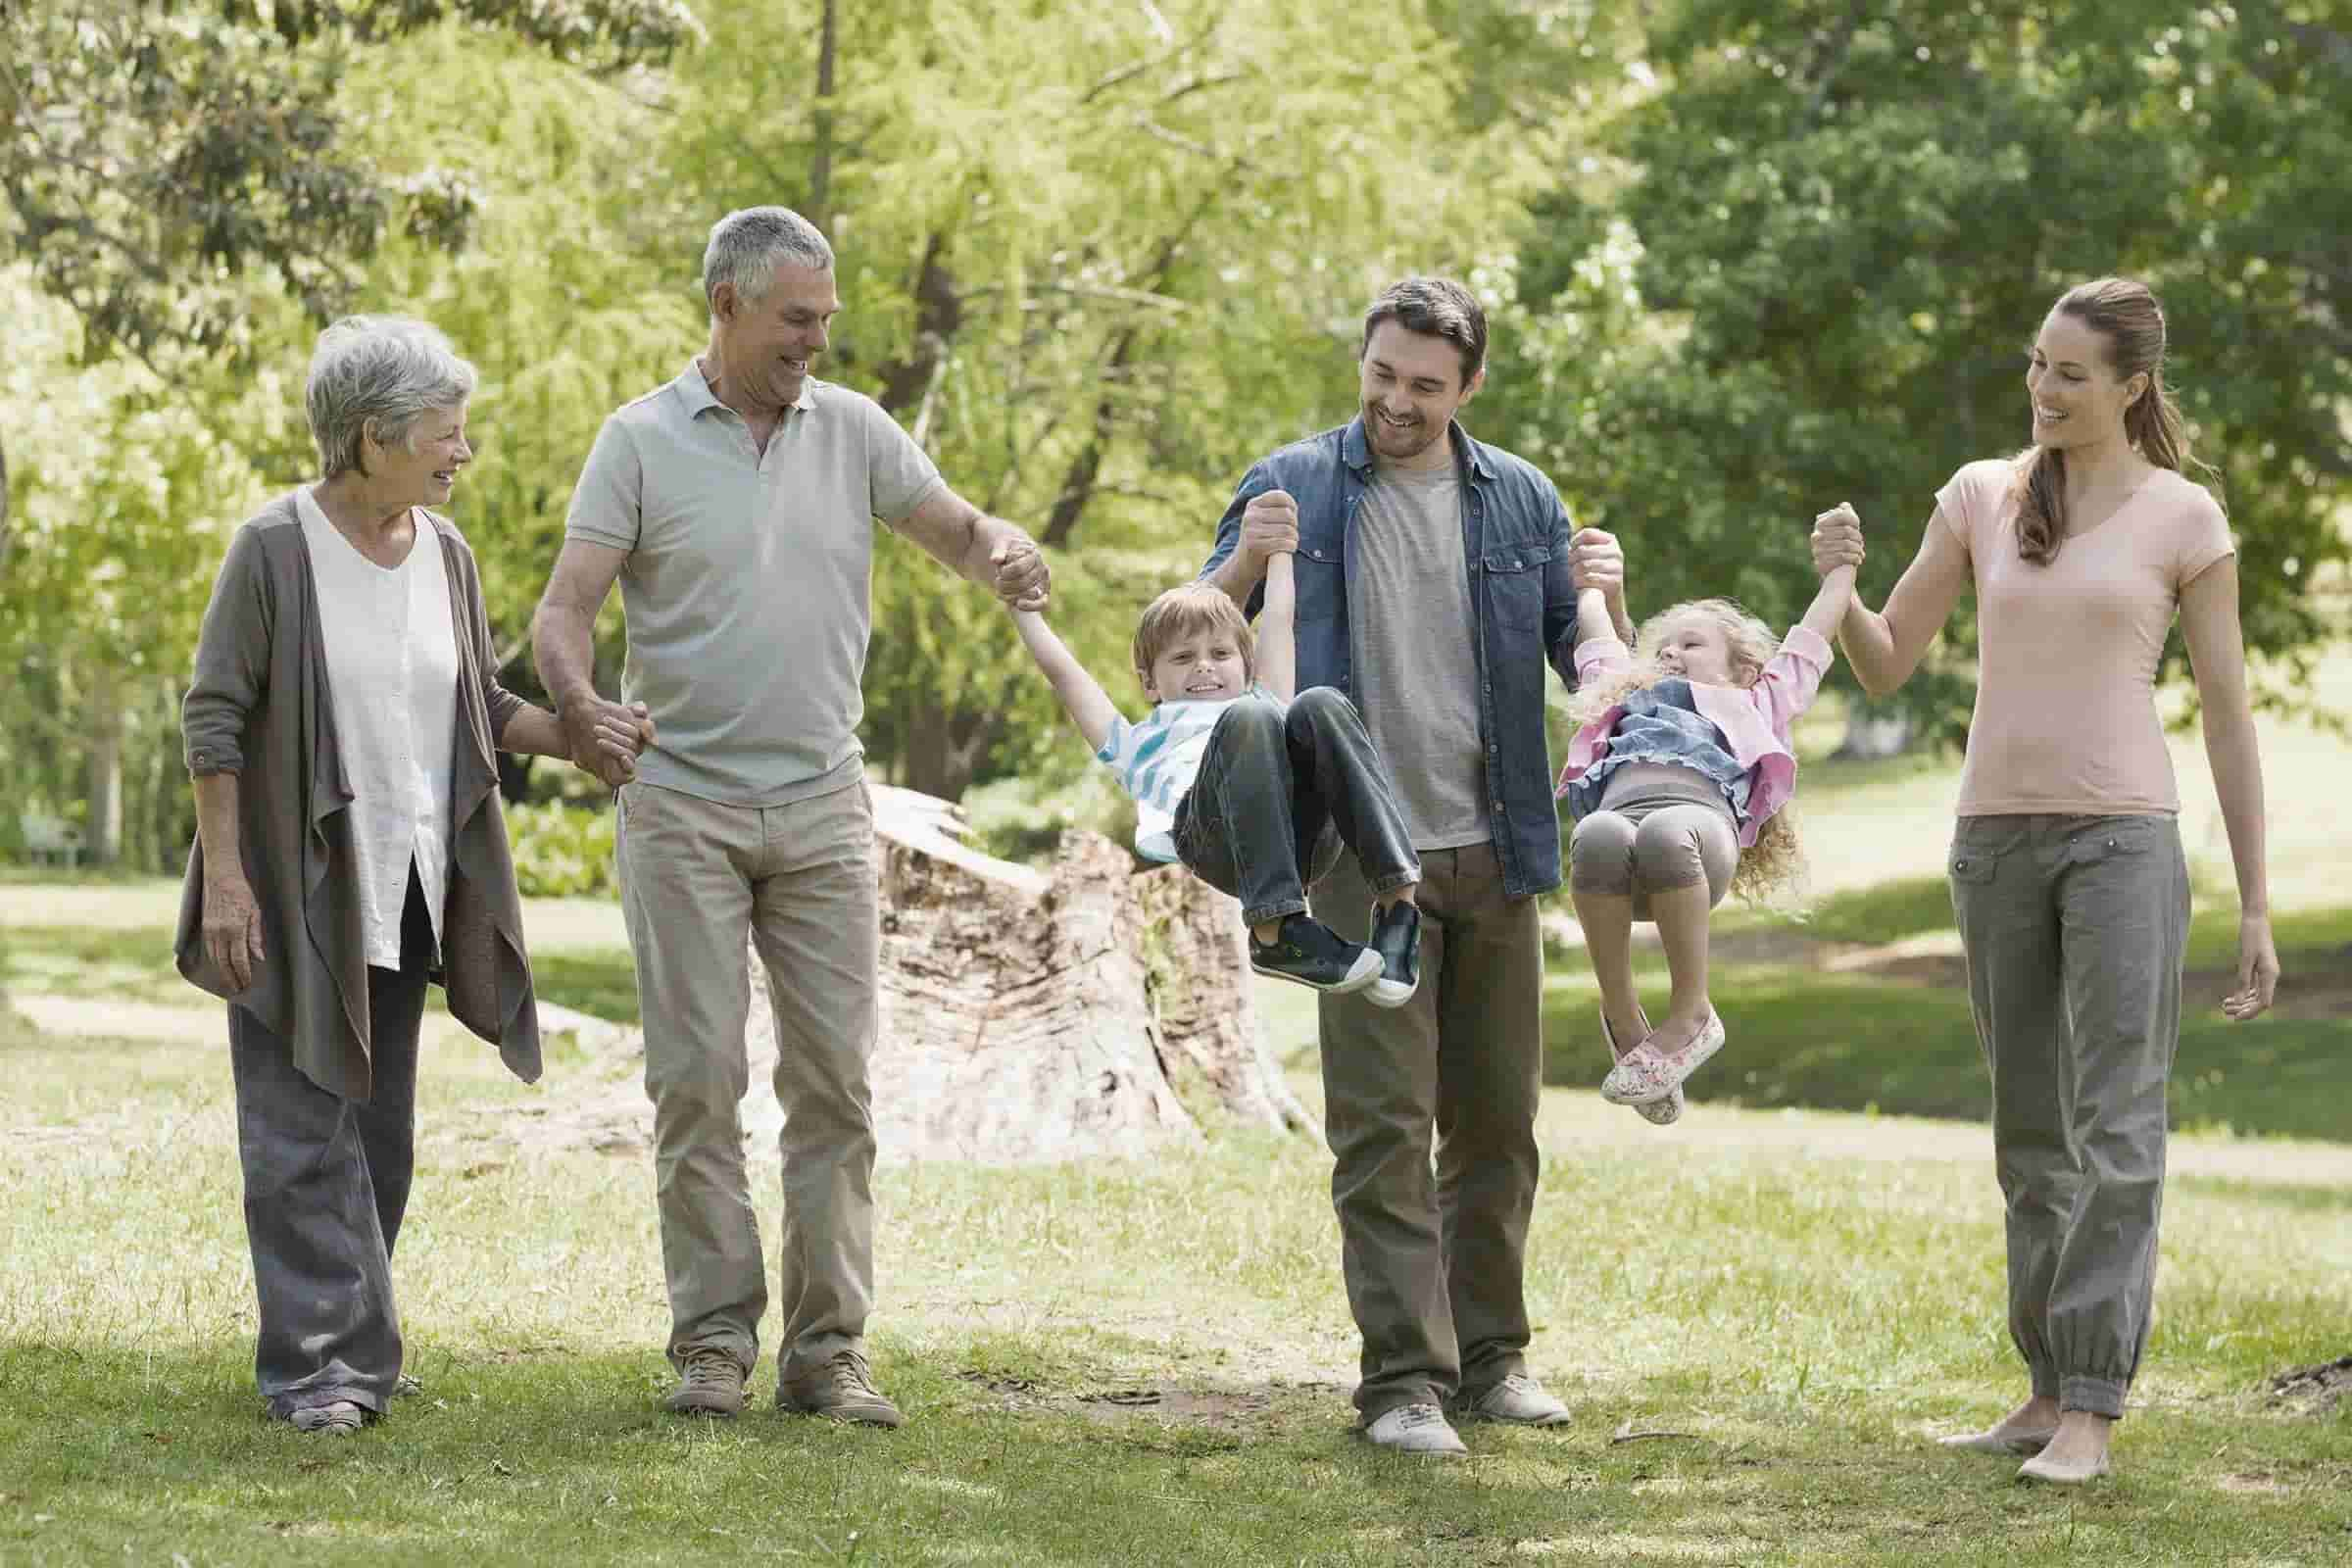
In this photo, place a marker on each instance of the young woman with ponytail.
(2068, 879)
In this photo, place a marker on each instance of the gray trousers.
(326, 1182)
(1434, 1250)
(697, 876)
(2076, 929)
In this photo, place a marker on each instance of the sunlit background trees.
(1744, 260)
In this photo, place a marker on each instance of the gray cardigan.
(261, 709)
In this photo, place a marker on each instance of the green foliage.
(153, 158)
(555, 299)
(561, 850)
(1098, 258)
(1852, 217)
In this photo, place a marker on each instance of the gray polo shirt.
(748, 580)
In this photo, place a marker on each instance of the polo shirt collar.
(696, 391)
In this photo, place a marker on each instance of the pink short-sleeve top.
(2066, 719)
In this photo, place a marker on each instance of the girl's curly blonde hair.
(1771, 871)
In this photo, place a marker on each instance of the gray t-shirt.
(747, 586)
(1416, 670)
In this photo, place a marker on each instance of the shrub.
(562, 850)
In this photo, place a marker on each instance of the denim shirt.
(1662, 723)
(1523, 609)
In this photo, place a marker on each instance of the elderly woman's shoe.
(340, 1419)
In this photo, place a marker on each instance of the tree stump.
(1031, 1016)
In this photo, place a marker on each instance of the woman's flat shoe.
(1657, 1112)
(2058, 1473)
(2008, 1442)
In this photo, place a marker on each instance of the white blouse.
(392, 667)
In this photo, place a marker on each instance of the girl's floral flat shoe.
(1646, 1075)
(1657, 1112)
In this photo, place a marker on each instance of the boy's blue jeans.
(1278, 792)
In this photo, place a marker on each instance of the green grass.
(1807, 1297)
(1896, 1048)
(1848, 1044)
(134, 964)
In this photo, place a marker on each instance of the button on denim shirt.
(1515, 543)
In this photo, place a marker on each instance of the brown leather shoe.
(840, 1389)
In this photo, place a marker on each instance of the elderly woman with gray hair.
(350, 847)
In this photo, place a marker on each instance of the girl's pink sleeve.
(1600, 656)
(1791, 680)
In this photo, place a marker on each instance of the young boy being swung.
(1676, 781)
(1248, 786)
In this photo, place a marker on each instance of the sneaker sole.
(1367, 969)
(1386, 993)
(887, 1421)
(704, 1405)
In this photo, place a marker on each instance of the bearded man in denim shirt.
(1436, 576)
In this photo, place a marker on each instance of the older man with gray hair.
(736, 507)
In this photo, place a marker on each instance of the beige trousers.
(696, 877)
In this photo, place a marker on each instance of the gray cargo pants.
(2076, 929)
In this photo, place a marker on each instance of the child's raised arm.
(1593, 623)
(1082, 695)
(1830, 604)
(1277, 641)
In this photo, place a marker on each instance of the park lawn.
(1898, 1046)
(1142, 1362)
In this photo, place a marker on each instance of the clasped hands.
(605, 737)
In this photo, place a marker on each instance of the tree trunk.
(821, 161)
(102, 833)
(1030, 1017)
(1874, 730)
(1026, 1015)
(944, 750)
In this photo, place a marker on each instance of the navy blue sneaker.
(1397, 938)
(1313, 955)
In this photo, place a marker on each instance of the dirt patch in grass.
(1228, 1408)
(2319, 1389)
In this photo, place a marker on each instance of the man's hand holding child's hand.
(1023, 579)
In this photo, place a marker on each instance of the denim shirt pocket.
(1515, 575)
(1320, 573)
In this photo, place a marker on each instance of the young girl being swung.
(1676, 781)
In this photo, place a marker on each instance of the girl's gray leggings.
(1654, 834)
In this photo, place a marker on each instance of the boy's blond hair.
(1182, 613)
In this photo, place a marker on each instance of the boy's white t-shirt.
(1156, 761)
